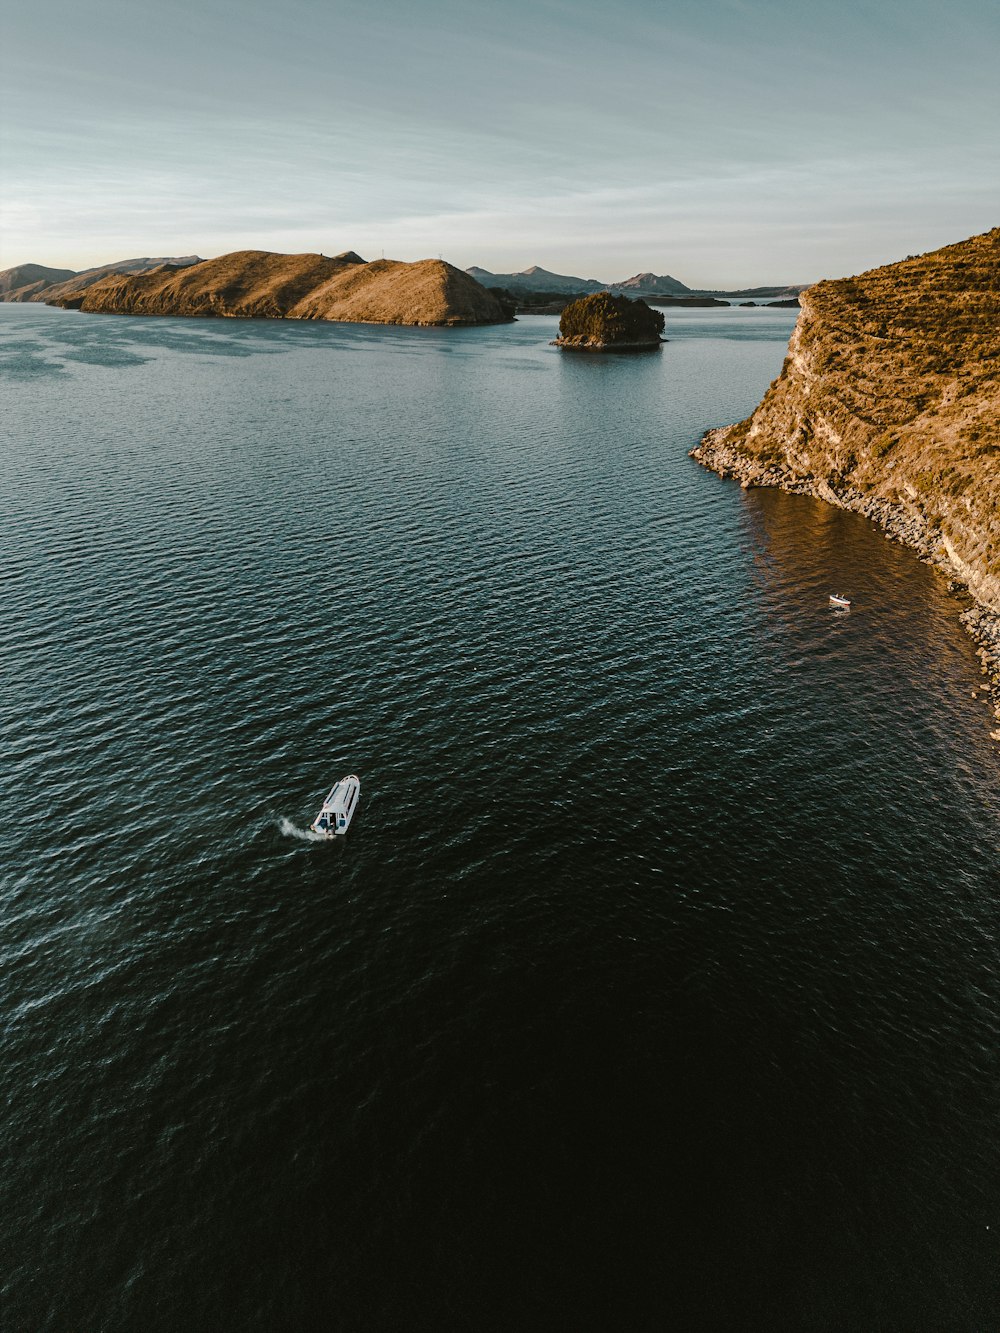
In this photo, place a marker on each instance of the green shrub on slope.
(603, 318)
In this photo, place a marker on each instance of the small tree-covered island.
(605, 323)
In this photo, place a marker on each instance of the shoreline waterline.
(907, 528)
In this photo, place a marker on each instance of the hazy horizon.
(727, 144)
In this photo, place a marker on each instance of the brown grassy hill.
(260, 284)
(14, 280)
(55, 292)
(31, 292)
(387, 291)
(247, 283)
(889, 403)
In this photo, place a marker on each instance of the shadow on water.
(901, 659)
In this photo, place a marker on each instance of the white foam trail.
(291, 830)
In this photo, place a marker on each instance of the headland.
(888, 404)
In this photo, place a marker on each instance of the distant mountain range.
(35, 282)
(537, 279)
(30, 276)
(533, 289)
(651, 282)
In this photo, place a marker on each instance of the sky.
(725, 142)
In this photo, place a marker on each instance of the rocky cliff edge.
(889, 404)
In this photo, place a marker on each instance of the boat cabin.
(338, 809)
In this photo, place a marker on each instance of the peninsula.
(888, 404)
(259, 284)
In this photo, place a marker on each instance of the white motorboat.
(338, 808)
(837, 600)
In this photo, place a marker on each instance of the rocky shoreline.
(899, 523)
(582, 343)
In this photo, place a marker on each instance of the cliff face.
(259, 284)
(889, 403)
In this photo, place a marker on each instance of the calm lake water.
(656, 984)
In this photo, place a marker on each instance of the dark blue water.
(656, 983)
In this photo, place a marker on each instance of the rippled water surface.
(656, 983)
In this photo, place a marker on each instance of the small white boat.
(837, 600)
(338, 808)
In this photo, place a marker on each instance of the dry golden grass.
(259, 284)
(386, 291)
(891, 389)
(75, 284)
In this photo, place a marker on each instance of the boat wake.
(291, 830)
